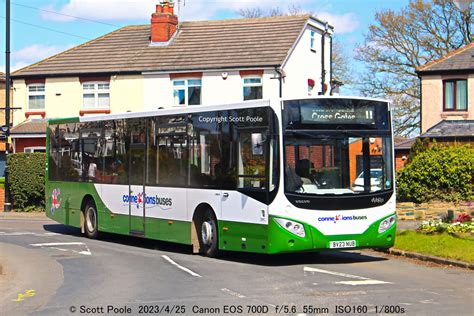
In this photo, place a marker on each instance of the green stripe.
(63, 120)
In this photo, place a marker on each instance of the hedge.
(441, 173)
(26, 176)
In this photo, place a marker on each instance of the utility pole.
(6, 128)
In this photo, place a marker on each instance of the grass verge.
(441, 245)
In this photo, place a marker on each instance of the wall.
(126, 93)
(21, 143)
(400, 161)
(432, 100)
(63, 96)
(304, 64)
(158, 88)
(2, 103)
(157, 92)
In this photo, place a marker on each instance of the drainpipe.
(281, 75)
(330, 70)
(323, 68)
(421, 106)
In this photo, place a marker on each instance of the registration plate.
(342, 244)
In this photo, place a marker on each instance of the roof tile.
(459, 59)
(197, 45)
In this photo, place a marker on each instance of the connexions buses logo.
(338, 218)
(56, 203)
(150, 201)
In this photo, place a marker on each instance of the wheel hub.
(90, 220)
(207, 233)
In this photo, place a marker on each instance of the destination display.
(314, 113)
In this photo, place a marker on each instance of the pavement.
(52, 270)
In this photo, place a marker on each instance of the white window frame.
(185, 87)
(33, 149)
(96, 91)
(36, 93)
(252, 84)
(312, 40)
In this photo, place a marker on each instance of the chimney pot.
(163, 23)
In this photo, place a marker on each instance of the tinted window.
(172, 151)
(205, 168)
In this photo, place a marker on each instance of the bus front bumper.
(281, 240)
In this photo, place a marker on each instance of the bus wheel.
(90, 214)
(208, 235)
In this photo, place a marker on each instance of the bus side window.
(172, 158)
(120, 163)
(251, 163)
(204, 150)
(53, 160)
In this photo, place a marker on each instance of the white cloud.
(345, 23)
(107, 10)
(142, 9)
(34, 53)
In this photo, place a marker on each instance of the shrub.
(26, 177)
(463, 217)
(418, 147)
(437, 226)
(439, 172)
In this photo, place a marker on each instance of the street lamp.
(465, 7)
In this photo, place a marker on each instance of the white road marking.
(27, 234)
(350, 276)
(230, 292)
(180, 267)
(362, 282)
(53, 245)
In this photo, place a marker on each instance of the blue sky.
(38, 32)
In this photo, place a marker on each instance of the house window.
(313, 41)
(36, 96)
(455, 95)
(253, 88)
(187, 92)
(38, 149)
(96, 95)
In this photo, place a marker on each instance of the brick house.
(168, 63)
(447, 97)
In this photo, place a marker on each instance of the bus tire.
(208, 235)
(90, 220)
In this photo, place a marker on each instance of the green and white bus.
(266, 176)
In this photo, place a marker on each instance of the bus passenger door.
(136, 176)
(248, 204)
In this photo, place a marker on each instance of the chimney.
(163, 22)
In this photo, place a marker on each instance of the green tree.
(399, 42)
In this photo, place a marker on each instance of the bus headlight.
(291, 226)
(387, 223)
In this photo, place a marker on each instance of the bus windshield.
(337, 147)
(337, 164)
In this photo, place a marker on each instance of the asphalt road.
(50, 269)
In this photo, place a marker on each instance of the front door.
(249, 202)
(136, 176)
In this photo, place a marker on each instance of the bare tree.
(256, 12)
(399, 42)
(341, 66)
(342, 69)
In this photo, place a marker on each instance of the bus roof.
(194, 109)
